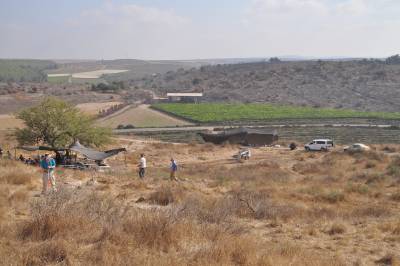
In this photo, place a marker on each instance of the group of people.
(28, 160)
(143, 165)
(48, 165)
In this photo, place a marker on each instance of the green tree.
(59, 124)
(393, 60)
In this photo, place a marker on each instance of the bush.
(47, 253)
(394, 168)
(166, 195)
(331, 196)
(336, 228)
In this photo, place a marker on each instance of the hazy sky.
(188, 29)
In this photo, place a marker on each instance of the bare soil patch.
(142, 116)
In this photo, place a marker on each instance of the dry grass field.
(279, 208)
(141, 116)
(94, 108)
(9, 122)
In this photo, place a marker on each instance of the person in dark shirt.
(174, 169)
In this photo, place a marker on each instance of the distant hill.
(21, 70)
(368, 85)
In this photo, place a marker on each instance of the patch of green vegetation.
(108, 87)
(219, 112)
(58, 79)
(21, 70)
(87, 81)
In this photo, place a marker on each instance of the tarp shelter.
(243, 136)
(93, 154)
(39, 148)
(78, 148)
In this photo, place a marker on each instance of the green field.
(58, 79)
(216, 112)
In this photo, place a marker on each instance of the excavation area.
(280, 207)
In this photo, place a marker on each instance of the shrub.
(46, 253)
(166, 195)
(395, 196)
(375, 211)
(394, 168)
(336, 228)
(333, 196)
(357, 188)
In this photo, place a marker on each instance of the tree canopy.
(59, 124)
(393, 60)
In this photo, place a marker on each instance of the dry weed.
(166, 195)
(336, 228)
(47, 253)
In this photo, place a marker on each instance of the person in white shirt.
(142, 166)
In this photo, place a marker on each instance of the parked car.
(319, 145)
(357, 147)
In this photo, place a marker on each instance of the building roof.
(184, 94)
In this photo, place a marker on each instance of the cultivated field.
(219, 112)
(82, 77)
(59, 78)
(141, 116)
(97, 73)
(279, 208)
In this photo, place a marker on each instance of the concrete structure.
(186, 97)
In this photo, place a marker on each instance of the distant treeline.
(108, 87)
(21, 70)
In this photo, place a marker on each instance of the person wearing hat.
(48, 165)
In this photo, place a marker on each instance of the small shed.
(185, 97)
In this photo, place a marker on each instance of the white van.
(319, 145)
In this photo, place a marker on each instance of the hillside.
(368, 85)
(15, 70)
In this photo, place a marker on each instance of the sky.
(198, 29)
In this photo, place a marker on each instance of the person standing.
(174, 169)
(142, 166)
(52, 167)
(48, 165)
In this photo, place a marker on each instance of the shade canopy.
(93, 154)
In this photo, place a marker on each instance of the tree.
(274, 60)
(393, 60)
(59, 124)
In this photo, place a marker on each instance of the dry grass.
(9, 122)
(60, 223)
(166, 195)
(47, 253)
(15, 173)
(336, 228)
(142, 116)
(262, 212)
